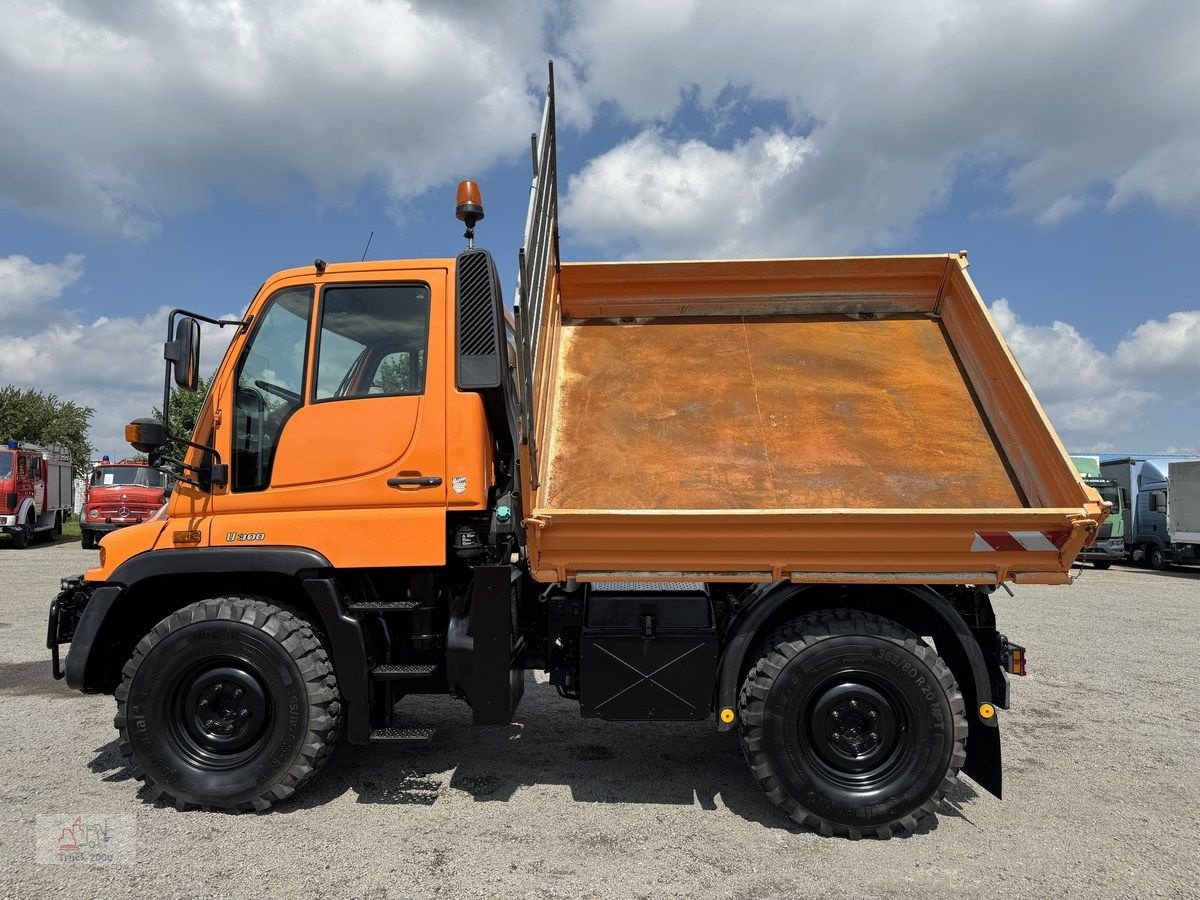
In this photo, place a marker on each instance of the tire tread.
(301, 641)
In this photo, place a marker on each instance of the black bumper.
(104, 527)
(76, 615)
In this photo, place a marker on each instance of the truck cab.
(1109, 545)
(117, 495)
(1163, 495)
(35, 491)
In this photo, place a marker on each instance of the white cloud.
(132, 112)
(26, 287)
(1073, 104)
(1164, 349)
(112, 364)
(675, 191)
(1056, 358)
(1137, 398)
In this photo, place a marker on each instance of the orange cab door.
(339, 431)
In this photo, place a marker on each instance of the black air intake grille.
(476, 322)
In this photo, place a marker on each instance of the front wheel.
(228, 704)
(1156, 558)
(852, 724)
(87, 539)
(1102, 564)
(24, 534)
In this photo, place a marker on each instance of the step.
(401, 735)
(383, 606)
(408, 670)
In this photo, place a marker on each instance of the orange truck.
(778, 494)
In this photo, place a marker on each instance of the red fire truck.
(35, 491)
(119, 494)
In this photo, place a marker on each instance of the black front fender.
(96, 629)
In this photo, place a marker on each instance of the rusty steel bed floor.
(768, 413)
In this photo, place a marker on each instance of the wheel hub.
(224, 710)
(854, 728)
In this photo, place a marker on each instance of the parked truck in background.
(1163, 508)
(684, 490)
(1109, 545)
(35, 491)
(117, 495)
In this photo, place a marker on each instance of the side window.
(22, 462)
(372, 341)
(270, 385)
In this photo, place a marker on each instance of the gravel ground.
(1102, 756)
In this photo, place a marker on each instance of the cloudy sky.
(160, 153)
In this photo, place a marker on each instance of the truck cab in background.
(1162, 511)
(117, 495)
(35, 491)
(1109, 545)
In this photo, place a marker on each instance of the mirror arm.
(171, 354)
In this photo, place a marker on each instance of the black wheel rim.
(219, 713)
(858, 731)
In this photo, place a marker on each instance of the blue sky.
(158, 156)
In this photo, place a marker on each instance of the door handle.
(415, 481)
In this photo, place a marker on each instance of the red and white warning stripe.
(1038, 541)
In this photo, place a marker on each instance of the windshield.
(6, 458)
(1112, 494)
(138, 476)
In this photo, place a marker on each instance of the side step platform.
(399, 672)
(371, 606)
(401, 735)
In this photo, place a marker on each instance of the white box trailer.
(1183, 502)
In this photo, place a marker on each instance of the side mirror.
(184, 353)
(146, 435)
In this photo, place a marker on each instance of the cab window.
(372, 341)
(270, 385)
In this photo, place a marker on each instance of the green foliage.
(398, 372)
(185, 410)
(30, 415)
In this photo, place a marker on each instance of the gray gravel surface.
(1102, 753)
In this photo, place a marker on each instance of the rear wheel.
(852, 724)
(1156, 559)
(228, 704)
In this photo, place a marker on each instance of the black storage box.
(647, 654)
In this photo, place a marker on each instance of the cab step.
(401, 735)
(383, 606)
(398, 672)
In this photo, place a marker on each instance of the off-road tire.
(23, 535)
(1155, 558)
(807, 671)
(294, 712)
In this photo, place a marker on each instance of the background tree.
(185, 410)
(30, 415)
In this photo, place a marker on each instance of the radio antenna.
(368, 247)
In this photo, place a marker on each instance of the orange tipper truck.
(778, 494)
